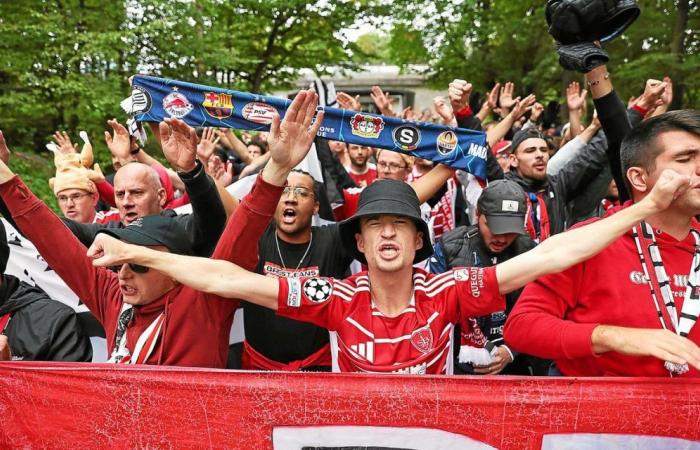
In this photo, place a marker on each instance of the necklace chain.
(308, 247)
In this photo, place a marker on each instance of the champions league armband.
(154, 99)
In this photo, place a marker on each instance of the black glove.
(572, 21)
(582, 57)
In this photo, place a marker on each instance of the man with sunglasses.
(149, 317)
(396, 318)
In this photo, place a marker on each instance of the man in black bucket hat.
(393, 317)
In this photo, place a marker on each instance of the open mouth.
(289, 215)
(130, 216)
(127, 290)
(388, 250)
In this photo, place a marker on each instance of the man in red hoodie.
(617, 313)
(149, 317)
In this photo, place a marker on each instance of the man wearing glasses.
(292, 248)
(148, 317)
(396, 166)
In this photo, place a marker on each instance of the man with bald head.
(138, 192)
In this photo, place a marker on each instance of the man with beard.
(292, 248)
(498, 235)
(395, 318)
(549, 195)
(362, 172)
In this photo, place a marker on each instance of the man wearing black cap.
(394, 317)
(498, 236)
(549, 195)
(33, 327)
(148, 316)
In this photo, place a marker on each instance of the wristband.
(464, 112)
(640, 110)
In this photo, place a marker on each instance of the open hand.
(383, 101)
(347, 102)
(179, 142)
(575, 97)
(64, 144)
(662, 344)
(290, 139)
(520, 106)
(492, 99)
(207, 144)
(506, 99)
(118, 144)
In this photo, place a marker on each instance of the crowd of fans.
(418, 269)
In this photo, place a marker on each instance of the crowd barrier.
(52, 405)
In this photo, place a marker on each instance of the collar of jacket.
(528, 184)
(8, 301)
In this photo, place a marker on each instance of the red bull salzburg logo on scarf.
(366, 126)
(177, 104)
(218, 105)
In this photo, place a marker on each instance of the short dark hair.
(639, 149)
(316, 185)
(523, 135)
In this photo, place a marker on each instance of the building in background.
(408, 89)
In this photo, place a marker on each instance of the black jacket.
(204, 225)
(465, 247)
(41, 329)
(563, 187)
(587, 203)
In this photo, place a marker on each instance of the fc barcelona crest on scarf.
(218, 105)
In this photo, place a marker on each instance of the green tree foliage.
(485, 41)
(64, 64)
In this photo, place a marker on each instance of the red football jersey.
(419, 340)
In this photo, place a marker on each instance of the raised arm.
(427, 185)
(290, 141)
(566, 249)
(211, 276)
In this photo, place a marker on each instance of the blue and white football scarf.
(154, 99)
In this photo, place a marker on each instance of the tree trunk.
(678, 50)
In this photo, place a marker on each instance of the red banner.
(103, 406)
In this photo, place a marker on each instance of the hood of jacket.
(16, 295)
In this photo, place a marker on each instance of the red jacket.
(555, 316)
(196, 328)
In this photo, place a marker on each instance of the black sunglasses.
(134, 267)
